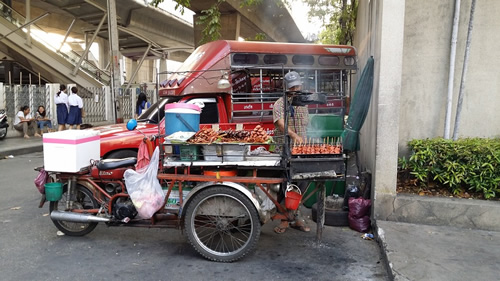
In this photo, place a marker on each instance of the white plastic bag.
(144, 188)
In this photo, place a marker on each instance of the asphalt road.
(30, 249)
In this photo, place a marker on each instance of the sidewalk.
(423, 252)
(18, 145)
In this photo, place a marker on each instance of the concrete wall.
(410, 41)
(426, 49)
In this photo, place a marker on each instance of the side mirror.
(131, 124)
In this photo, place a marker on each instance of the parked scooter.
(3, 124)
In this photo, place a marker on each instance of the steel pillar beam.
(115, 61)
(87, 47)
(67, 34)
(27, 19)
(22, 26)
(136, 70)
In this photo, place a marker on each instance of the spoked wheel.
(82, 199)
(222, 224)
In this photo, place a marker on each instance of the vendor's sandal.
(300, 225)
(281, 228)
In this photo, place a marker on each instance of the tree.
(338, 17)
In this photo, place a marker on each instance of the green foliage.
(210, 19)
(338, 17)
(258, 37)
(248, 3)
(181, 4)
(465, 163)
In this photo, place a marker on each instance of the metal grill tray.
(318, 167)
(307, 156)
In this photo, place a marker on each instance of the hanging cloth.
(144, 154)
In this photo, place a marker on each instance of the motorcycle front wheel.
(82, 199)
(3, 133)
(222, 224)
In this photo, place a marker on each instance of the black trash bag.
(359, 214)
(352, 191)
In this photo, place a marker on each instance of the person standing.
(23, 121)
(298, 121)
(298, 118)
(141, 104)
(42, 119)
(75, 109)
(61, 101)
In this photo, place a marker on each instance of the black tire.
(332, 217)
(3, 133)
(229, 232)
(120, 154)
(84, 200)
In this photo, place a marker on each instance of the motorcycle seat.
(109, 164)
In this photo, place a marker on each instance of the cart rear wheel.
(83, 200)
(222, 224)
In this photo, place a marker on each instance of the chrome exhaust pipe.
(75, 217)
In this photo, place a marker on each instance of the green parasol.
(359, 108)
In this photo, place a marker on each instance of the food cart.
(233, 179)
(220, 186)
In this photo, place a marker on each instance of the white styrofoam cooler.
(71, 150)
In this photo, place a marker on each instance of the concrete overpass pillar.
(163, 68)
(116, 65)
(103, 52)
(134, 66)
(230, 27)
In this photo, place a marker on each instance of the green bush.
(466, 163)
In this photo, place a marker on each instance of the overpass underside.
(144, 33)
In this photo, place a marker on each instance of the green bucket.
(53, 191)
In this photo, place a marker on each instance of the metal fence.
(94, 105)
(18, 95)
(97, 103)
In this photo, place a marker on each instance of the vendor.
(298, 120)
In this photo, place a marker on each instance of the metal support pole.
(24, 25)
(28, 18)
(451, 74)
(87, 47)
(464, 71)
(67, 34)
(139, 64)
(341, 81)
(115, 61)
(320, 218)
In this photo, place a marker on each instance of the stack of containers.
(183, 117)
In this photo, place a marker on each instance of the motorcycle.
(222, 219)
(3, 124)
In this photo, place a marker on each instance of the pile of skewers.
(317, 146)
(208, 135)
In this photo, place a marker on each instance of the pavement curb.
(23, 150)
(380, 238)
